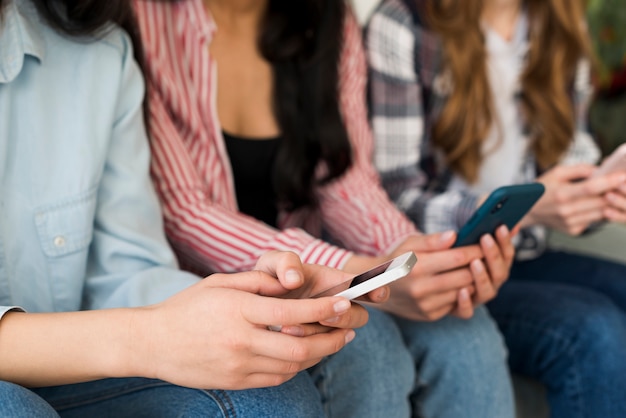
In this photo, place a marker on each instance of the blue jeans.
(372, 377)
(137, 397)
(563, 317)
(461, 368)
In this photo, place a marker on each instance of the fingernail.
(383, 293)
(447, 236)
(350, 336)
(477, 266)
(342, 306)
(503, 230)
(488, 241)
(293, 277)
(464, 294)
(332, 320)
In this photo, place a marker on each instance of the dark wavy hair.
(89, 18)
(302, 40)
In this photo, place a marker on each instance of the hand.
(303, 281)
(616, 204)
(489, 274)
(573, 200)
(211, 336)
(293, 280)
(431, 290)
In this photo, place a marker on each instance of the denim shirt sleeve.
(130, 262)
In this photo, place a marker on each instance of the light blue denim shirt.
(80, 225)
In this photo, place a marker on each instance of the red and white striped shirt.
(192, 173)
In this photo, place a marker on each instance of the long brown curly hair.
(558, 40)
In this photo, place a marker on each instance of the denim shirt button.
(59, 241)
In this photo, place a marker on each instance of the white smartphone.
(372, 279)
(614, 162)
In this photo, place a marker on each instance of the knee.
(472, 343)
(19, 402)
(600, 337)
(378, 356)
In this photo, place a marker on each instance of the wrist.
(131, 348)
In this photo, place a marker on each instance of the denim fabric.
(138, 397)
(461, 368)
(370, 377)
(563, 317)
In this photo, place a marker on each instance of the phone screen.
(361, 278)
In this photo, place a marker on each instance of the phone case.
(505, 206)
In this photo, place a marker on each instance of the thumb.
(286, 266)
(575, 172)
(258, 282)
(433, 242)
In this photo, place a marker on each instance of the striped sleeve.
(206, 236)
(201, 222)
(397, 115)
(355, 209)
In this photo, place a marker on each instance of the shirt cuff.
(5, 309)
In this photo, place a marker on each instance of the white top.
(505, 147)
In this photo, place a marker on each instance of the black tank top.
(252, 162)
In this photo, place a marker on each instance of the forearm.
(61, 348)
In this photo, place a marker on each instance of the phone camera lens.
(497, 207)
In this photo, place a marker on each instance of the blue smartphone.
(505, 206)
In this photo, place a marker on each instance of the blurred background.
(607, 25)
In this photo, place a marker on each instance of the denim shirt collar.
(20, 35)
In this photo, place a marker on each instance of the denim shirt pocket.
(65, 232)
(66, 227)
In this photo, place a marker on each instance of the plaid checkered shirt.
(408, 87)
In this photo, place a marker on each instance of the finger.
(581, 205)
(574, 172)
(271, 311)
(431, 242)
(597, 186)
(616, 200)
(615, 215)
(425, 286)
(578, 224)
(497, 267)
(379, 295)
(485, 289)
(433, 304)
(305, 330)
(299, 349)
(256, 282)
(322, 277)
(464, 308)
(504, 238)
(356, 317)
(447, 260)
(440, 313)
(286, 266)
(613, 181)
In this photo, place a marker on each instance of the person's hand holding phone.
(615, 210)
(574, 198)
(295, 280)
(449, 280)
(215, 334)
